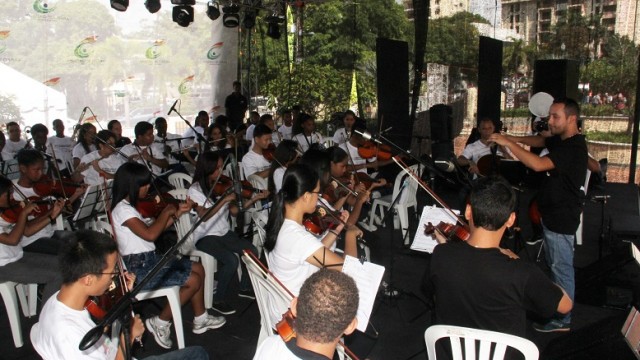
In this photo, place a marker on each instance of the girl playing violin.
(214, 235)
(343, 134)
(357, 162)
(85, 143)
(99, 164)
(286, 153)
(293, 253)
(136, 236)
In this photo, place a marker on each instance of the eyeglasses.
(316, 192)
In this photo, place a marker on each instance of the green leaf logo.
(155, 50)
(215, 51)
(83, 50)
(183, 88)
(43, 6)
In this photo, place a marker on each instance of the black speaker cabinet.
(440, 121)
(489, 78)
(559, 78)
(392, 59)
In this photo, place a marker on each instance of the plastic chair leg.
(8, 293)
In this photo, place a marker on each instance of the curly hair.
(327, 304)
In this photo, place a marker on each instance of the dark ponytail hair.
(5, 185)
(298, 180)
(285, 153)
(337, 154)
(127, 181)
(84, 129)
(318, 160)
(206, 165)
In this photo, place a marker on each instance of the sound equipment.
(489, 78)
(559, 78)
(440, 119)
(392, 60)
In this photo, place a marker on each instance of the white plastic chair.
(180, 180)
(260, 219)
(407, 199)
(172, 294)
(10, 299)
(488, 340)
(271, 295)
(209, 263)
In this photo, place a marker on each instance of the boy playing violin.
(88, 265)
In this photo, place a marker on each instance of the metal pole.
(634, 137)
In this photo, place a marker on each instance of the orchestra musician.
(200, 124)
(477, 284)
(219, 139)
(253, 162)
(561, 199)
(100, 164)
(14, 143)
(39, 134)
(321, 319)
(170, 147)
(285, 154)
(357, 162)
(136, 236)
(3, 142)
(85, 143)
(286, 128)
(308, 136)
(481, 147)
(294, 254)
(343, 134)
(144, 151)
(87, 266)
(62, 146)
(267, 119)
(116, 128)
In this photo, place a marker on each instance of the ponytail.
(276, 218)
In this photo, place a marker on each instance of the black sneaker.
(249, 294)
(552, 326)
(223, 308)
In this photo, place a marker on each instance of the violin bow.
(426, 188)
(57, 169)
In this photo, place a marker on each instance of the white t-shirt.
(275, 138)
(476, 150)
(128, 242)
(286, 131)
(340, 137)
(63, 147)
(274, 347)
(172, 144)
(304, 142)
(278, 176)
(190, 133)
(357, 159)
(110, 165)
(155, 150)
(8, 253)
(252, 162)
(46, 231)
(248, 135)
(11, 149)
(60, 330)
(218, 224)
(78, 150)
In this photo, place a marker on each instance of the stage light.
(183, 2)
(120, 5)
(273, 31)
(249, 20)
(231, 18)
(153, 6)
(213, 10)
(182, 15)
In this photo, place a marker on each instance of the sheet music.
(434, 215)
(367, 277)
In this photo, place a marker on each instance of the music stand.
(91, 204)
(11, 169)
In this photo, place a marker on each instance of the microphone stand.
(201, 140)
(237, 188)
(123, 306)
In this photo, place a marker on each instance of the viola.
(370, 149)
(455, 232)
(269, 152)
(12, 213)
(46, 186)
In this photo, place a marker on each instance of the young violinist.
(287, 125)
(171, 148)
(267, 119)
(321, 319)
(101, 163)
(254, 162)
(136, 236)
(87, 267)
(338, 168)
(62, 146)
(39, 228)
(343, 134)
(214, 236)
(285, 154)
(144, 151)
(294, 254)
(218, 138)
(39, 134)
(14, 142)
(85, 143)
(15, 264)
(308, 136)
(356, 161)
(116, 128)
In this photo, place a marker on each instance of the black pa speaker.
(559, 78)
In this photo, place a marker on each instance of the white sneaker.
(162, 333)
(365, 225)
(211, 322)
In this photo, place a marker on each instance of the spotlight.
(182, 15)
(120, 5)
(213, 10)
(183, 2)
(273, 31)
(249, 20)
(152, 5)
(231, 18)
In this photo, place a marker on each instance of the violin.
(269, 152)
(98, 306)
(225, 183)
(321, 220)
(152, 206)
(453, 232)
(370, 149)
(46, 186)
(12, 213)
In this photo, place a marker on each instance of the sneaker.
(162, 333)
(211, 322)
(248, 294)
(365, 225)
(552, 326)
(534, 241)
(223, 308)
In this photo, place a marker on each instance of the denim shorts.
(174, 273)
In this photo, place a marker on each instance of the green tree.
(9, 111)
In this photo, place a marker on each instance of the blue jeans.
(558, 249)
(190, 353)
(224, 248)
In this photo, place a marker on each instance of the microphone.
(386, 130)
(367, 136)
(173, 107)
(84, 111)
(445, 165)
